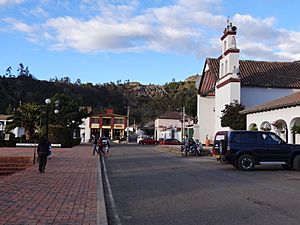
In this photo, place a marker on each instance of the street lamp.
(56, 111)
(47, 101)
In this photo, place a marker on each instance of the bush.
(8, 143)
(61, 135)
(76, 141)
(232, 118)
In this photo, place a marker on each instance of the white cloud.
(38, 12)
(184, 27)
(19, 26)
(10, 2)
(97, 35)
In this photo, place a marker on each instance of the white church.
(268, 90)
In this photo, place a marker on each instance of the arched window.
(222, 69)
(226, 67)
(225, 46)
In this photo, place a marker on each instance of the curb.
(101, 208)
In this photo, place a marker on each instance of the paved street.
(151, 187)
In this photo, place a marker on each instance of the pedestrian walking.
(95, 144)
(43, 152)
(100, 146)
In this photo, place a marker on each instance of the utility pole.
(183, 124)
(127, 128)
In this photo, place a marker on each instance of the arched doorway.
(253, 126)
(265, 126)
(280, 128)
(295, 130)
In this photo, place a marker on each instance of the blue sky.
(154, 41)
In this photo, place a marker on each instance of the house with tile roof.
(278, 115)
(170, 125)
(107, 124)
(227, 79)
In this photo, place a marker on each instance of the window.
(106, 122)
(226, 67)
(95, 120)
(119, 121)
(222, 69)
(220, 137)
(243, 138)
(271, 139)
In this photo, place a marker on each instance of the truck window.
(271, 139)
(243, 138)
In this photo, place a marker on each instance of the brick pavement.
(67, 193)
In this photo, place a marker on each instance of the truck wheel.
(297, 163)
(223, 160)
(246, 163)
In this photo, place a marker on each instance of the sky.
(151, 42)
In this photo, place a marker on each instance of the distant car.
(141, 137)
(170, 141)
(148, 141)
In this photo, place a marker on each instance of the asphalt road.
(150, 187)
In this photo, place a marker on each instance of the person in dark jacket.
(43, 152)
(95, 144)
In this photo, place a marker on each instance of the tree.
(26, 116)
(231, 116)
(8, 71)
(9, 109)
(70, 113)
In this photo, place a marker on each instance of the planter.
(207, 142)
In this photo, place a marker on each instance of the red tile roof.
(255, 74)
(173, 115)
(4, 117)
(284, 102)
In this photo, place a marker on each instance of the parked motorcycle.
(195, 148)
(184, 150)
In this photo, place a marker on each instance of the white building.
(279, 116)
(226, 79)
(169, 125)
(18, 131)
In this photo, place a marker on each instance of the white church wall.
(206, 120)
(233, 62)
(225, 95)
(286, 114)
(254, 96)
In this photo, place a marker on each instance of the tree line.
(146, 101)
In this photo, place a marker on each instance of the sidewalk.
(69, 192)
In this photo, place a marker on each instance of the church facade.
(227, 79)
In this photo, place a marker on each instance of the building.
(170, 125)
(108, 124)
(279, 116)
(227, 78)
(18, 131)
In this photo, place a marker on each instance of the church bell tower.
(228, 85)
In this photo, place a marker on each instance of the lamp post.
(47, 101)
(56, 111)
(127, 128)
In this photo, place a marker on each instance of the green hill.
(146, 101)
